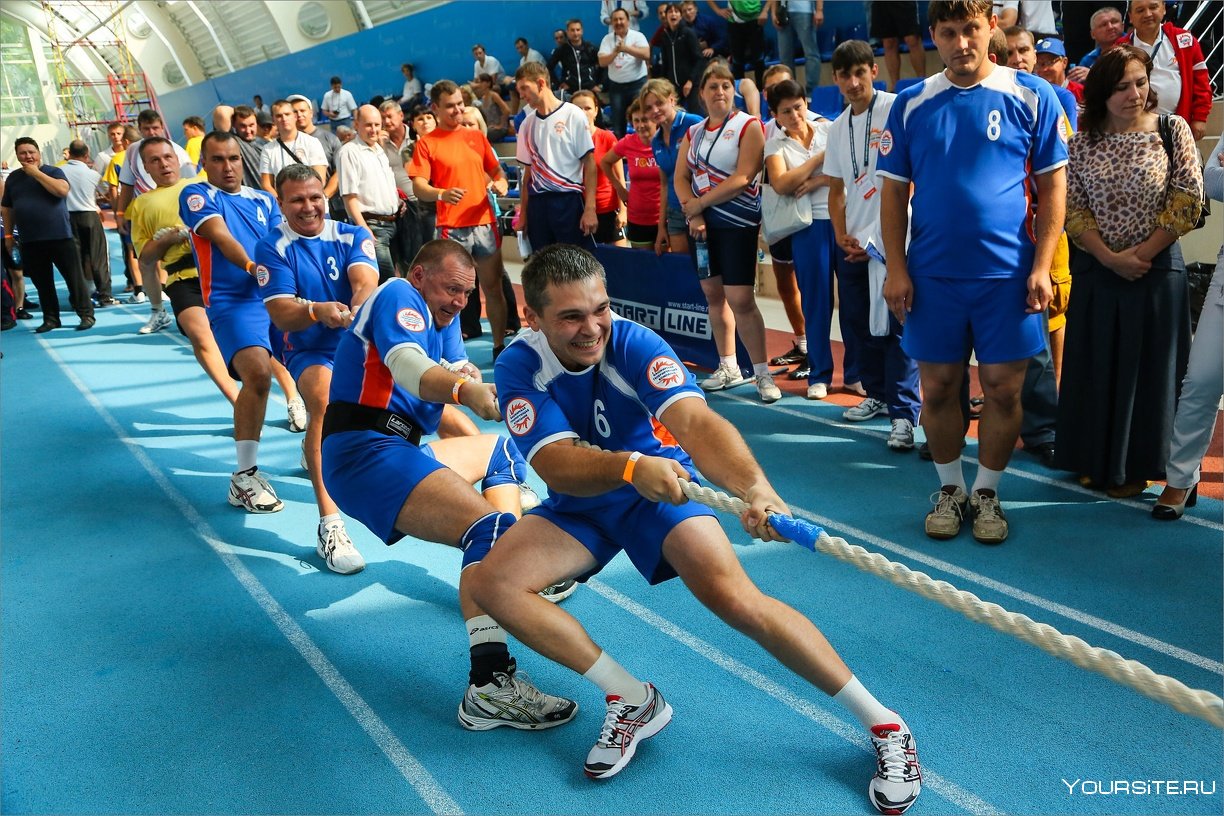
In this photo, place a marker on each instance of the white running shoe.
(159, 320)
(528, 498)
(297, 415)
(817, 391)
(559, 592)
(623, 728)
(898, 777)
(249, 489)
(512, 700)
(867, 409)
(901, 438)
(138, 297)
(767, 389)
(336, 548)
(723, 377)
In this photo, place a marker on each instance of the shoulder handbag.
(783, 215)
(1166, 136)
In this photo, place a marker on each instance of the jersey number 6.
(601, 422)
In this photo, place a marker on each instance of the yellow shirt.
(193, 148)
(111, 174)
(155, 210)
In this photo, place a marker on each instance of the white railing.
(1206, 23)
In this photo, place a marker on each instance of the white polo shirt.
(306, 148)
(625, 67)
(365, 172)
(83, 180)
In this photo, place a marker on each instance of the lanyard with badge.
(862, 180)
(701, 177)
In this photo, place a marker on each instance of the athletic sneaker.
(795, 355)
(559, 592)
(624, 727)
(817, 391)
(159, 320)
(865, 410)
(249, 489)
(901, 438)
(336, 548)
(767, 390)
(898, 777)
(856, 388)
(512, 700)
(945, 520)
(297, 415)
(139, 297)
(723, 377)
(528, 498)
(989, 523)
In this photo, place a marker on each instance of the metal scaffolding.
(127, 87)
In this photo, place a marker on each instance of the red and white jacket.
(1195, 103)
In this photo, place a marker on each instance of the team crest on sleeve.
(367, 247)
(520, 416)
(411, 320)
(195, 202)
(1185, 40)
(664, 373)
(886, 142)
(262, 275)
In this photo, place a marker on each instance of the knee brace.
(482, 535)
(506, 465)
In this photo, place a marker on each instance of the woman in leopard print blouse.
(1128, 325)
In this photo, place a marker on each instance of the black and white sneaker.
(898, 777)
(624, 727)
(512, 700)
(559, 592)
(795, 355)
(250, 490)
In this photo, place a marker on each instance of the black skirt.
(1127, 343)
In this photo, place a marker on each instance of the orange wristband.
(250, 267)
(455, 388)
(310, 311)
(627, 476)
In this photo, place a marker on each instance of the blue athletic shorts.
(299, 361)
(237, 326)
(636, 526)
(953, 315)
(370, 475)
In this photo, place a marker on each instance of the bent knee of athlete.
(506, 465)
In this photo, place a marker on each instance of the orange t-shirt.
(457, 158)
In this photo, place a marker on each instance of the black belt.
(349, 416)
(182, 264)
(379, 217)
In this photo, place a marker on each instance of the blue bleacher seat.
(902, 84)
(858, 31)
(827, 101)
(880, 85)
(826, 40)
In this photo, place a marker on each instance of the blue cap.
(1050, 45)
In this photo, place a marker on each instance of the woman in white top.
(718, 184)
(794, 158)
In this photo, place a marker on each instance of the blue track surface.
(166, 653)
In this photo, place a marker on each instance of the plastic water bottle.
(703, 259)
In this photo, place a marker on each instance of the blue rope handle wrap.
(803, 533)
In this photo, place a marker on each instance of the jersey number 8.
(994, 125)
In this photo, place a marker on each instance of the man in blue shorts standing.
(226, 220)
(312, 273)
(587, 376)
(395, 371)
(983, 149)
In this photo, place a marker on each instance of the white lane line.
(850, 733)
(1063, 484)
(434, 796)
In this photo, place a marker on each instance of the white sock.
(483, 629)
(328, 519)
(865, 707)
(248, 452)
(613, 679)
(987, 479)
(729, 362)
(760, 368)
(951, 473)
(801, 342)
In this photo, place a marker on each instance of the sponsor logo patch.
(411, 320)
(262, 275)
(1185, 40)
(886, 143)
(367, 246)
(520, 416)
(195, 202)
(664, 373)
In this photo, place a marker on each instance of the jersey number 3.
(334, 274)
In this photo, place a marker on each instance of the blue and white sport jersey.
(249, 215)
(289, 265)
(712, 157)
(395, 316)
(614, 405)
(554, 146)
(973, 154)
(667, 154)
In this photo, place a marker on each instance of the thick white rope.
(1132, 673)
